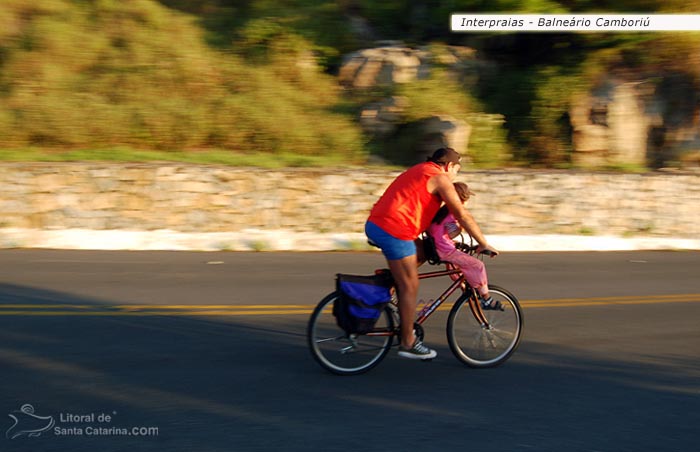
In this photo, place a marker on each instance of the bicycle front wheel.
(342, 353)
(478, 343)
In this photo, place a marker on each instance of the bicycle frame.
(428, 310)
(432, 307)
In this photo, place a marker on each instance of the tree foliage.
(109, 73)
(257, 75)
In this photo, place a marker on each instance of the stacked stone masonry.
(190, 198)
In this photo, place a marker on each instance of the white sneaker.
(418, 351)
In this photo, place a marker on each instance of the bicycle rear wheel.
(342, 353)
(478, 344)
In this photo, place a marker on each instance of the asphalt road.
(146, 351)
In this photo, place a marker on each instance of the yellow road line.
(626, 297)
(605, 301)
(153, 306)
(215, 306)
(45, 306)
(152, 313)
(253, 310)
(602, 301)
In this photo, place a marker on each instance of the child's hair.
(462, 190)
(463, 193)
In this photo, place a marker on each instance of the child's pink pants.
(473, 269)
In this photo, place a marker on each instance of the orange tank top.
(407, 207)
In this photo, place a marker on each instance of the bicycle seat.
(372, 243)
(429, 251)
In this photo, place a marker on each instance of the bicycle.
(478, 338)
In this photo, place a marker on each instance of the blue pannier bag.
(361, 300)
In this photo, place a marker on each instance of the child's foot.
(490, 304)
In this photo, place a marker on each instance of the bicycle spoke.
(495, 341)
(354, 349)
(338, 338)
(504, 336)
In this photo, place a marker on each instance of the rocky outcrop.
(384, 120)
(441, 131)
(382, 66)
(396, 63)
(641, 123)
(610, 127)
(381, 118)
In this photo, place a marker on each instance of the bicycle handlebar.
(470, 249)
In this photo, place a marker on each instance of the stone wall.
(190, 198)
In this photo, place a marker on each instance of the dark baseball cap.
(445, 155)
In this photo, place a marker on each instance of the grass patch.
(208, 157)
(585, 230)
(259, 245)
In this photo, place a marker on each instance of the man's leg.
(405, 273)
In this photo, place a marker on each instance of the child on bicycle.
(443, 229)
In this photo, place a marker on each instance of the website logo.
(26, 423)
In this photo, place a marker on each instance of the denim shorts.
(392, 247)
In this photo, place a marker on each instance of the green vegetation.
(105, 74)
(210, 156)
(251, 81)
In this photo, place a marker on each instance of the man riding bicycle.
(397, 219)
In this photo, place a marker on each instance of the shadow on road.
(249, 383)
